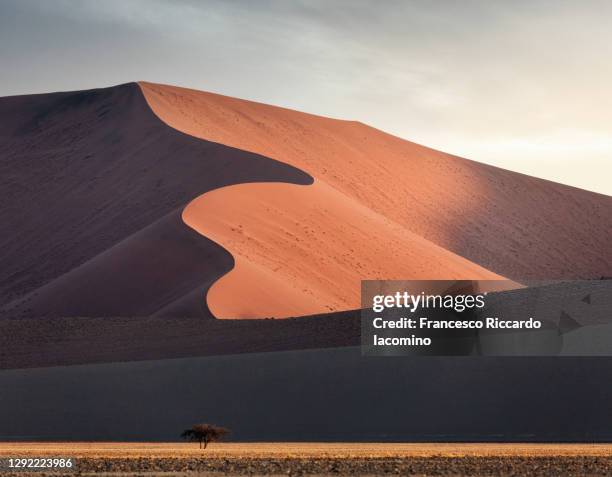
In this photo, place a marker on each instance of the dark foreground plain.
(324, 458)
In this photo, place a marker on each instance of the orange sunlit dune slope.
(380, 207)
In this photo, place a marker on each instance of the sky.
(521, 84)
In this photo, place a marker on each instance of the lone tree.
(205, 433)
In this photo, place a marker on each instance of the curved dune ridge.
(137, 200)
(93, 187)
(380, 207)
(303, 250)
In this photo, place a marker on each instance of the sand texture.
(379, 207)
(152, 200)
(93, 188)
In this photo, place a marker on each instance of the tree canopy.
(205, 433)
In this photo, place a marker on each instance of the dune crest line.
(304, 250)
(489, 217)
(95, 187)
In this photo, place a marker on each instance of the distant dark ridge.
(81, 172)
(44, 342)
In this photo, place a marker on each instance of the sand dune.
(380, 207)
(303, 250)
(151, 270)
(515, 225)
(93, 184)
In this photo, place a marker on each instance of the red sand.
(92, 179)
(303, 250)
(380, 207)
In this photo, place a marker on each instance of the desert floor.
(321, 458)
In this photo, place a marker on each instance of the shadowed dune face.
(400, 202)
(93, 185)
(149, 272)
